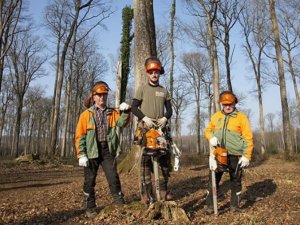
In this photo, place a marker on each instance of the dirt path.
(53, 195)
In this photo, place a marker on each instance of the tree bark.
(287, 134)
(144, 38)
(211, 16)
(173, 12)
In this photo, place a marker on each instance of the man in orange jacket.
(229, 129)
(97, 144)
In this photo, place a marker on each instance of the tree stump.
(167, 210)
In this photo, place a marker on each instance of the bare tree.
(41, 108)
(57, 21)
(25, 66)
(10, 15)
(171, 40)
(180, 101)
(257, 33)
(87, 13)
(206, 38)
(290, 42)
(195, 66)
(33, 96)
(287, 135)
(210, 9)
(6, 97)
(228, 14)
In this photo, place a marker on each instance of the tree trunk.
(198, 119)
(293, 74)
(287, 135)
(9, 20)
(127, 15)
(119, 83)
(173, 12)
(144, 47)
(144, 38)
(211, 16)
(16, 136)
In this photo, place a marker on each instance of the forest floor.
(33, 193)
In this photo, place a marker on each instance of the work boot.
(220, 196)
(147, 198)
(118, 199)
(90, 213)
(169, 196)
(166, 195)
(209, 209)
(89, 200)
(235, 201)
(163, 194)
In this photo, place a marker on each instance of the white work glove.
(161, 122)
(214, 141)
(83, 161)
(176, 163)
(124, 106)
(149, 122)
(212, 162)
(176, 151)
(244, 162)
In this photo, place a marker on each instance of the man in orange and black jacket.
(97, 143)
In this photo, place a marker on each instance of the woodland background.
(46, 188)
(31, 123)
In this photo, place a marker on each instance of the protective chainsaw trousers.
(107, 161)
(147, 169)
(235, 173)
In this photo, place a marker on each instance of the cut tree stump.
(167, 210)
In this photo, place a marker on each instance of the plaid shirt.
(101, 124)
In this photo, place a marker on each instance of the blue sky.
(110, 42)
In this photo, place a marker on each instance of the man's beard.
(155, 82)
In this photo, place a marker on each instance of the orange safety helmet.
(227, 97)
(153, 63)
(100, 88)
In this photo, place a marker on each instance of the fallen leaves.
(52, 194)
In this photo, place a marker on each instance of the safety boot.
(147, 198)
(89, 200)
(118, 198)
(90, 212)
(166, 195)
(235, 201)
(209, 209)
